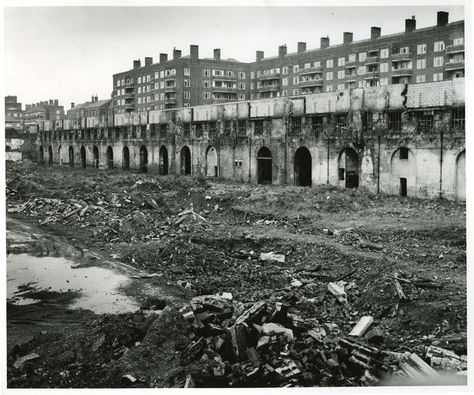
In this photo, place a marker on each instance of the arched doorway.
(110, 157)
(461, 176)
(403, 172)
(125, 158)
(50, 155)
(41, 155)
(163, 166)
(95, 153)
(212, 168)
(264, 166)
(83, 157)
(302, 167)
(185, 161)
(348, 168)
(143, 159)
(71, 156)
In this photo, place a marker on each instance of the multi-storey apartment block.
(42, 111)
(13, 114)
(415, 56)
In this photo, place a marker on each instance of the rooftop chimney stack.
(301, 46)
(136, 64)
(324, 42)
(51, 102)
(148, 61)
(56, 102)
(443, 18)
(217, 54)
(176, 54)
(375, 32)
(347, 37)
(259, 55)
(72, 104)
(282, 50)
(410, 24)
(92, 98)
(194, 51)
(163, 57)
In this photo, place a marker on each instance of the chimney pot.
(301, 46)
(282, 50)
(259, 55)
(194, 51)
(443, 18)
(410, 24)
(217, 54)
(347, 37)
(148, 61)
(324, 42)
(375, 32)
(176, 54)
(163, 57)
(72, 104)
(56, 102)
(136, 64)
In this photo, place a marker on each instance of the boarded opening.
(348, 168)
(50, 155)
(264, 166)
(71, 156)
(185, 167)
(125, 158)
(143, 160)
(95, 152)
(212, 169)
(41, 154)
(403, 186)
(83, 157)
(163, 166)
(302, 167)
(110, 157)
(461, 176)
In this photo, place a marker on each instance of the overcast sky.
(70, 53)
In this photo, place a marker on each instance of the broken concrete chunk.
(277, 329)
(189, 382)
(250, 313)
(272, 257)
(239, 340)
(187, 313)
(129, 378)
(362, 326)
(296, 283)
(20, 361)
(416, 368)
(337, 289)
(317, 334)
(441, 358)
(375, 336)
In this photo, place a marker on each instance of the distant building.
(414, 56)
(90, 114)
(13, 114)
(43, 111)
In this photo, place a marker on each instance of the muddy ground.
(326, 234)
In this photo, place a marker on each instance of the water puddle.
(90, 287)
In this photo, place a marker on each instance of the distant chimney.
(72, 104)
(324, 42)
(136, 64)
(176, 54)
(51, 102)
(375, 32)
(301, 46)
(148, 61)
(259, 55)
(194, 51)
(163, 57)
(217, 54)
(56, 102)
(347, 37)
(92, 99)
(443, 18)
(28, 106)
(96, 98)
(410, 24)
(282, 50)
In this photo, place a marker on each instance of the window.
(425, 121)
(383, 67)
(242, 127)
(341, 74)
(458, 117)
(148, 78)
(421, 64)
(162, 84)
(420, 78)
(157, 75)
(206, 72)
(252, 74)
(295, 68)
(258, 126)
(437, 77)
(421, 49)
(187, 94)
(341, 62)
(284, 70)
(384, 53)
(241, 75)
(148, 88)
(284, 81)
(162, 74)
(284, 92)
(252, 85)
(157, 97)
(317, 64)
(394, 121)
(329, 63)
(139, 89)
(187, 72)
(438, 61)
(206, 95)
(362, 56)
(241, 96)
(139, 100)
(458, 41)
(295, 92)
(439, 46)
(361, 70)
(329, 88)
(317, 124)
(186, 83)
(403, 153)
(148, 99)
(241, 85)
(295, 125)
(206, 84)
(404, 50)
(156, 85)
(352, 57)
(139, 80)
(118, 82)
(162, 96)
(329, 75)
(295, 80)
(340, 87)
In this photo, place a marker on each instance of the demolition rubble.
(279, 286)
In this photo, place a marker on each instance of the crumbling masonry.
(395, 139)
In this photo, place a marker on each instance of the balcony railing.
(269, 88)
(402, 72)
(315, 82)
(224, 88)
(401, 57)
(267, 77)
(311, 70)
(372, 75)
(350, 64)
(372, 60)
(450, 49)
(452, 66)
